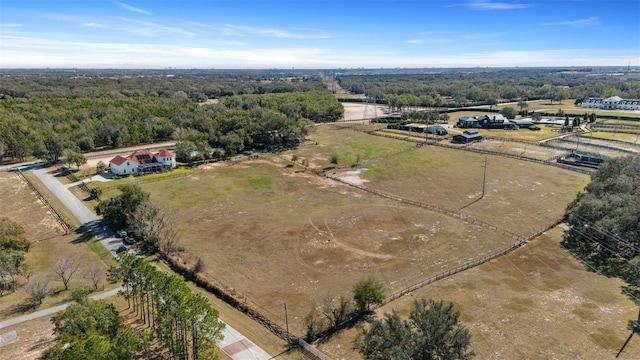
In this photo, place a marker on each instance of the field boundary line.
(434, 208)
(65, 226)
(435, 142)
(471, 264)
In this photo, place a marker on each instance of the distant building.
(143, 162)
(468, 136)
(436, 129)
(611, 103)
(487, 121)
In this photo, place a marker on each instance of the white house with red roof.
(143, 162)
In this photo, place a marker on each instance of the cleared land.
(21, 205)
(535, 303)
(274, 233)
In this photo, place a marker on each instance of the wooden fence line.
(470, 264)
(578, 142)
(65, 225)
(434, 208)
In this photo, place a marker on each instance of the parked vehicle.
(122, 248)
(121, 233)
(128, 240)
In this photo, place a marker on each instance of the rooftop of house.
(142, 157)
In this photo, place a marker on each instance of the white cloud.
(415, 41)
(21, 51)
(486, 5)
(146, 28)
(12, 25)
(92, 24)
(240, 30)
(580, 22)
(132, 8)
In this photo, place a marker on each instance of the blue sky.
(317, 34)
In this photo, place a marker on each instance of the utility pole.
(484, 177)
(286, 318)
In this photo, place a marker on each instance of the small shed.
(436, 129)
(468, 136)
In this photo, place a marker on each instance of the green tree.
(93, 330)
(12, 236)
(562, 94)
(508, 112)
(10, 265)
(604, 228)
(101, 167)
(433, 331)
(95, 193)
(523, 104)
(334, 159)
(118, 210)
(367, 292)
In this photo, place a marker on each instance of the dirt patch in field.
(359, 111)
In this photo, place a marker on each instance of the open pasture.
(275, 233)
(520, 196)
(616, 137)
(545, 132)
(537, 302)
(278, 236)
(517, 148)
(20, 204)
(347, 144)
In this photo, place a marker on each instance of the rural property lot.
(20, 204)
(537, 302)
(273, 233)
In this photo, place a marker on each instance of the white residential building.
(143, 162)
(611, 103)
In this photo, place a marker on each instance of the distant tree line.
(44, 115)
(487, 87)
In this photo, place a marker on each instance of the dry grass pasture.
(276, 233)
(520, 196)
(537, 302)
(20, 204)
(517, 148)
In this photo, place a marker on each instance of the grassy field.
(453, 179)
(535, 303)
(515, 148)
(275, 233)
(342, 140)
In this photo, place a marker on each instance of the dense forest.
(490, 86)
(45, 112)
(42, 114)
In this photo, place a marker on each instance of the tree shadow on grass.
(83, 235)
(20, 309)
(355, 321)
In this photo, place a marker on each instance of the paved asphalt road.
(79, 210)
(234, 344)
